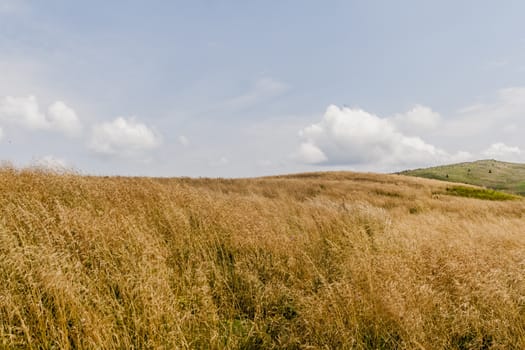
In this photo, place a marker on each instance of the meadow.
(310, 261)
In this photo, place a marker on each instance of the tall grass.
(334, 260)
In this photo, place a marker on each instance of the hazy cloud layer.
(502, 151)
(264, 89)
(25, 112)
(222, 161)
(11, 6)
(123, 137)
(502, 116)
(51, 162)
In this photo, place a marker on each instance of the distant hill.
(490, 173)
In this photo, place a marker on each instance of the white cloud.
(184, 141)
(123, 137)
(63, 118)
(501, 151)
(419, 118)
(354, 136)
(51, 162)
(25, 112)
(311, 154)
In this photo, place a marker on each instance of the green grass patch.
(480, 193)
(487, 173)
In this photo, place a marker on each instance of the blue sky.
(247, 88)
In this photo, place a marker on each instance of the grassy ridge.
(335, 260)
(493, 174)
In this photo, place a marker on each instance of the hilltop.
(307, 261)
(489, 173)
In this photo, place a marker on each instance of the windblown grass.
(336, 260)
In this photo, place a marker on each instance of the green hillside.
(489, 173)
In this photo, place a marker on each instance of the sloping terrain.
(488, 173)
(308, 261)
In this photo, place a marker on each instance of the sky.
(210, 88)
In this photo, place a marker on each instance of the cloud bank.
(353, 136)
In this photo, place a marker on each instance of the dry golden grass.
(336, 260)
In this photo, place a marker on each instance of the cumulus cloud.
(25, 112)
(354, 136)
(501, 151)
(123, 137)
(184, 141)
(417, 119)
(310, 153)
(63, 118)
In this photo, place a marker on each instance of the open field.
(309, 261)
(490, 173)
